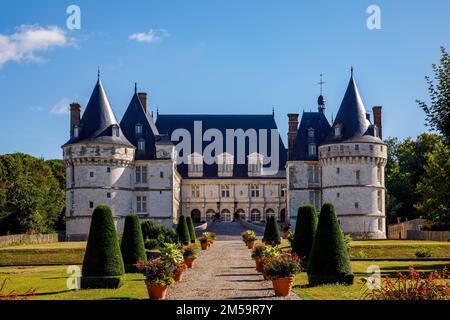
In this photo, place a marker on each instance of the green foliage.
(171, 253)
(435, 187)
(329, 262)
(191, 229)
(272, 233)
(132, 245)
(438, 110)
(305, 230)
(158, 271)
(283, 266)
(102, 265)
(32, 194)
(190, 252)
(348, 241)
(423, 252)
(183, 231)
(156, 235)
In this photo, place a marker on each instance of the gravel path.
(225, 271)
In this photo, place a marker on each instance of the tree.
(267, 230)
(329, 261)
(183, 231)
(273, 233)
(435, 187)
(102, 265)
(191, 229)
(305, 230)
(132, 245)
(438, 110)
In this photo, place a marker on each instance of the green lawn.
(355, 291)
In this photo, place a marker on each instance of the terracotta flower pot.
(189, 262)
(251, 245)
(178, 275)
(259, 265)
(283, 286)
(205, 246)
(157, 291)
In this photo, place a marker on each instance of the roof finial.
(273, 110)
(98, 72)
(157, 111)
(135, 87)
(321, 83)
(352, 71)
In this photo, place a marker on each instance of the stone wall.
(28, 238)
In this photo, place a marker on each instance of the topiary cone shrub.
(329, 261)
(273, 233)
(305, 230)
(183, 231)
(132, 246)
(266, 231)
(191, 229)
(102, 265)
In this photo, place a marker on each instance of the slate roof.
(352, 119)
(310, 120)
(135, 114)
(166, 124)
(97, 121)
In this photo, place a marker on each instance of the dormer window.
(255, 164)
(312, 150)
(138, 128)
(225, 165)
(141, 145)
(76, 131)
(115, 131)
(195, 165)
(311, 133)
(338, 131)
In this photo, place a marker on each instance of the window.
(76, 131)
(195, 190)
(138, 128)
(380, 224)
(371, 147)
(356, 147)
(356, 205)
(312, 150)
(338, 195)
(141, 174)
(358, 176)
(91, 204)
(311, 133)
(225, 191)
(254, 164)
(337, 131)
(91, 174)
(341, 148)
(141, 145)
(254, 191)
(379, 174)
(161, 174)
(255, 215)
(313, 174)
(338, 170)
(380, 200)
(195, 165)
(115, 131)
(226, 167)
(108, 195)
(283, 191)
(141, 204)
(314, 199)
(225, 164)
(381, 148)
(108, 169)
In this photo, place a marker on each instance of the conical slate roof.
(135, 115)
(98, 120)
(352, 118)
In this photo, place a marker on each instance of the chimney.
(377, 120)
(292, 134)
(75, 111)
(143, 98)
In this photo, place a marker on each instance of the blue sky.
(212, 57)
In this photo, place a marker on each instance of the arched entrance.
(225, 216)
(196, 216)
(241, 214)
(270, 213)
(283, 215)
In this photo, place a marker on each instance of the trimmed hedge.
(191, 229)
(102, 265)
(132, 246)
(156, 235)
(329, 261)
(305, 230)
(183, 231)
(272, 233)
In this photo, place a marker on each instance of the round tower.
(353, 158)
(99, 166)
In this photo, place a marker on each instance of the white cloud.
(152, 35)
(27, 40)
(62, 107)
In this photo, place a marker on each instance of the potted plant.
(257, 255)
(281, 270)
(267, 254)
(189, 255)
(173, 254)
(248, 236)
(158, 276)
(251, 238)
(204, 242)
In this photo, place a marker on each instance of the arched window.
(115, 130)
(226, 215)
(210, 215)
(255, 215)
(270, 213)
(311, 133)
